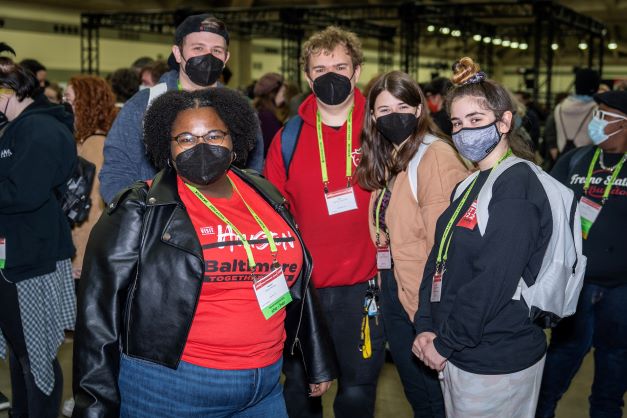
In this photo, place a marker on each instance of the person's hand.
(432, 358)
(420, 342)
(318, 389)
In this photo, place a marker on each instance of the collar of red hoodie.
(309, 107)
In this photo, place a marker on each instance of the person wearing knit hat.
(269, 102)
(571, 117)
(199, 54)
(597, 175)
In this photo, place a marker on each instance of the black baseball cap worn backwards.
(616, 99)
(194, 23)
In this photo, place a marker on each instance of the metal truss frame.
(537, 20)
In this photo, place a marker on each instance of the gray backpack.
(555, 292)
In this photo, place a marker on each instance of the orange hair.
(94, 106)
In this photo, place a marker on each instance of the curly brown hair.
(94, 106)
(327, 40)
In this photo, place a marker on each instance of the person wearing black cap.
(201, 50)
(571, 116)
(597, 175)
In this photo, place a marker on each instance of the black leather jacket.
(146, 235)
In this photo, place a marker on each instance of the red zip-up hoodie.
(342, 251)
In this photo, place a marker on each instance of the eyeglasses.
(602, 114)
(187, 140)
(6, 91)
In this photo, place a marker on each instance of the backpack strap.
(289, 138)
(464, 185)
(412, 167)
(485, 195)
(156, 91)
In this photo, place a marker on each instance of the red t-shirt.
(229, 330)
(340, 245)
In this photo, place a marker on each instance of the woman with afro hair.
(195, 281)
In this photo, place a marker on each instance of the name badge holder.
(339, 201)
(3, 252)
(271, 290)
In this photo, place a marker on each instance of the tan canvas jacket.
(411, 223)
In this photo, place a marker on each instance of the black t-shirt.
(606, 245)
(479, 326)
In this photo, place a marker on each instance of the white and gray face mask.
(475, 144)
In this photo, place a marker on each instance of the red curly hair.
(94, 106)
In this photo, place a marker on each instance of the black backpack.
(75, 197)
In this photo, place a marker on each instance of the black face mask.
(396, 127)
(204, 70)
(332, 88)
(203, 164)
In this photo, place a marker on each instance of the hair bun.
(465, 71)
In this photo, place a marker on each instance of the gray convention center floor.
(390, 399)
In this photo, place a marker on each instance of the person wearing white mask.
(597, 176)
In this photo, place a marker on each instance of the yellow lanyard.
(615, 171)
(245, 243)
(443, 251)
(349, 150)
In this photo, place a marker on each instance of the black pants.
(420, 383)
(357, 382)
(27, 400)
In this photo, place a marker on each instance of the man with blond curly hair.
(332, 212)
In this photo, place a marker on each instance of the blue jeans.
(149, 390)
(600, 321)
(420, 383)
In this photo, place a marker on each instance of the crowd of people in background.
(365, 224)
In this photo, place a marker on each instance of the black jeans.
(28, 400)
(357, 382)
(600, 322)
(420, 383)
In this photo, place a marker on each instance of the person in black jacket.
(181, 306)
(37, 157)
(598, 176)
(472, 324)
